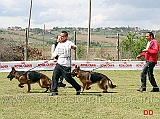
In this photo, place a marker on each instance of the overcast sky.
(144, 14)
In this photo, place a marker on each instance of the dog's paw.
(104, 91)
(20, 86)
(88, 88)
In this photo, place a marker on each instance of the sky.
(74, 13)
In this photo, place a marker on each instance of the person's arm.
(72, 45)
(54, 54)
(140, 55)
(52, 49)
(153, 48)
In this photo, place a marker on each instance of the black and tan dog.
(88, 77)
(29, 78)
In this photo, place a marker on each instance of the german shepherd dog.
(88, 77)
(29, 78)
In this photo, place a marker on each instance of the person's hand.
(52, 57)
(73, 47)
(54, 60)
(145, 50)
(138, 57)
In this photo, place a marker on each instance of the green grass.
(123, 102)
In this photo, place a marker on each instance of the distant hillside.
(103, 41)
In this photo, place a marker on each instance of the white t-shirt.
(148, 43)
(63, 50)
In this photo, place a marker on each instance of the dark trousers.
(148, 69)
(60, 70)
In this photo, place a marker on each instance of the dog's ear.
(13, 69)
(78, 67)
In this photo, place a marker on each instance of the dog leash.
(96, 68)
(34, 68)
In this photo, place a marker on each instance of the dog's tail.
(110, 84)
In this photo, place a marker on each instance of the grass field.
(123, 102)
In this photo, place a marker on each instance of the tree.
(81, 50)
(126, 45)
(132, 46)
(139, 46)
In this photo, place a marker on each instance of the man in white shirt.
(53, 47)
(63, 66)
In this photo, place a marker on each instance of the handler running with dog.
(54, 45)
(63, 66)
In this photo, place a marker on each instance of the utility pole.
(89, 25)
(118, 46)
(27, 34)
(26, 46)
(43, 39)
(75, 44)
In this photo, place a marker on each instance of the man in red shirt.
(151, 57)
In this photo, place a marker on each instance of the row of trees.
(129, 48)
(133, 45)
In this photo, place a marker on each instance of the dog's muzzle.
(73, 74)
(10, 77)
